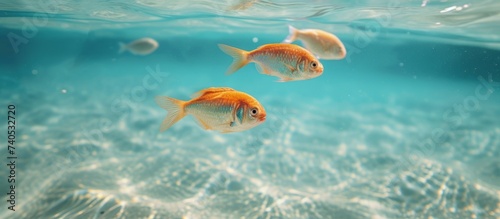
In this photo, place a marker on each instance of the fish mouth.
(315, 73)
(320, 70)
(262, 118)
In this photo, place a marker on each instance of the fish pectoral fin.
(203, 124)
(232, 124)
(263, 69)
(291, 68)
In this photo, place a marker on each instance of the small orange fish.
(287, 61)
(221, 109)
(321, 43)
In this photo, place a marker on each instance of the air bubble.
(34, 71)
(255, 39)
(64, 91)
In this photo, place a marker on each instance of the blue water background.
(401, 128)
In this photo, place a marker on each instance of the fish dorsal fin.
(211, 90)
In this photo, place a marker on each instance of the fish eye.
(314, 64)
(254, 111)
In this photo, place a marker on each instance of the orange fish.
(321, 43)
(221, 109)
(287, 61)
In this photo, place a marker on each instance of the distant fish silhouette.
(143, 46)
(244, 4)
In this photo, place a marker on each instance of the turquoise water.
(406, 126)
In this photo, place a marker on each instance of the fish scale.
(214, 112)
(276, 59)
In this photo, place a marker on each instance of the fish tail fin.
(240, 57)
(175, 110)
(123, 47)
(292, 36)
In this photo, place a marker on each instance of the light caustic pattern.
(460, 19)
(316, 165)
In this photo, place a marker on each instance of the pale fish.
(243, 4)
(220, 109)
(287, 61)
(143, 46)
(322, 44)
